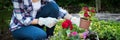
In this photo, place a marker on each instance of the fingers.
(52, 24)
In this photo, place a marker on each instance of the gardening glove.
(74, 20)
(49, 22)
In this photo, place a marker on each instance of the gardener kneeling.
(30, 16)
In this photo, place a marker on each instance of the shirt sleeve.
(22, 12)
(62, 12)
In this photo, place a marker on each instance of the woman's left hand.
(49, 21)
(74, 20)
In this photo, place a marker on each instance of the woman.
(30, 16)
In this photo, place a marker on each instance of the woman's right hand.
(49, 21)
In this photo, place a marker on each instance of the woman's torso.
(36, 7)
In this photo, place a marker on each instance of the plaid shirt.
(22, 13)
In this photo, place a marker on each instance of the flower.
(67, 30)
(85, 8)
(88, 12)
(93, 10)
(74, 33)
(85, 34)
(66, 24)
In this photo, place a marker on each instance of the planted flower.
(87, 13)
(74, 33)
(67, 26)
(74, 36)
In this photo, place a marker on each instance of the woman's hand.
(49, 22)
(74, 20)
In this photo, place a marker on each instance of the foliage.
(6, 4)
(110, 5)
(87, 12)
(107, 30)
(68, 29)
(5, 15)
(60, 33)
(75, 5)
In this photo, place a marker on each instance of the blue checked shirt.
(22, 14)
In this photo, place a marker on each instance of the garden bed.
(106, 30)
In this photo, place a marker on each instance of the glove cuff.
(40, 21)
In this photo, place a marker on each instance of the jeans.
(51, 9)
(29, 33)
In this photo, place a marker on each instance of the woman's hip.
(29, 32)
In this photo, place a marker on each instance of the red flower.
(86, 8)
(86, 14)
(66, 24)
(93, 10)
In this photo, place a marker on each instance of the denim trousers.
(51, 9)
(29, 33)
(36, 32)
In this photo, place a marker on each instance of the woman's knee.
(38, 33)
(30, 32)
(54, 5)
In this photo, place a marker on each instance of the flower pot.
(84, 23)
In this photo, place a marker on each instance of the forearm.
(67, 16)
(64, 13)
(34, 21)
